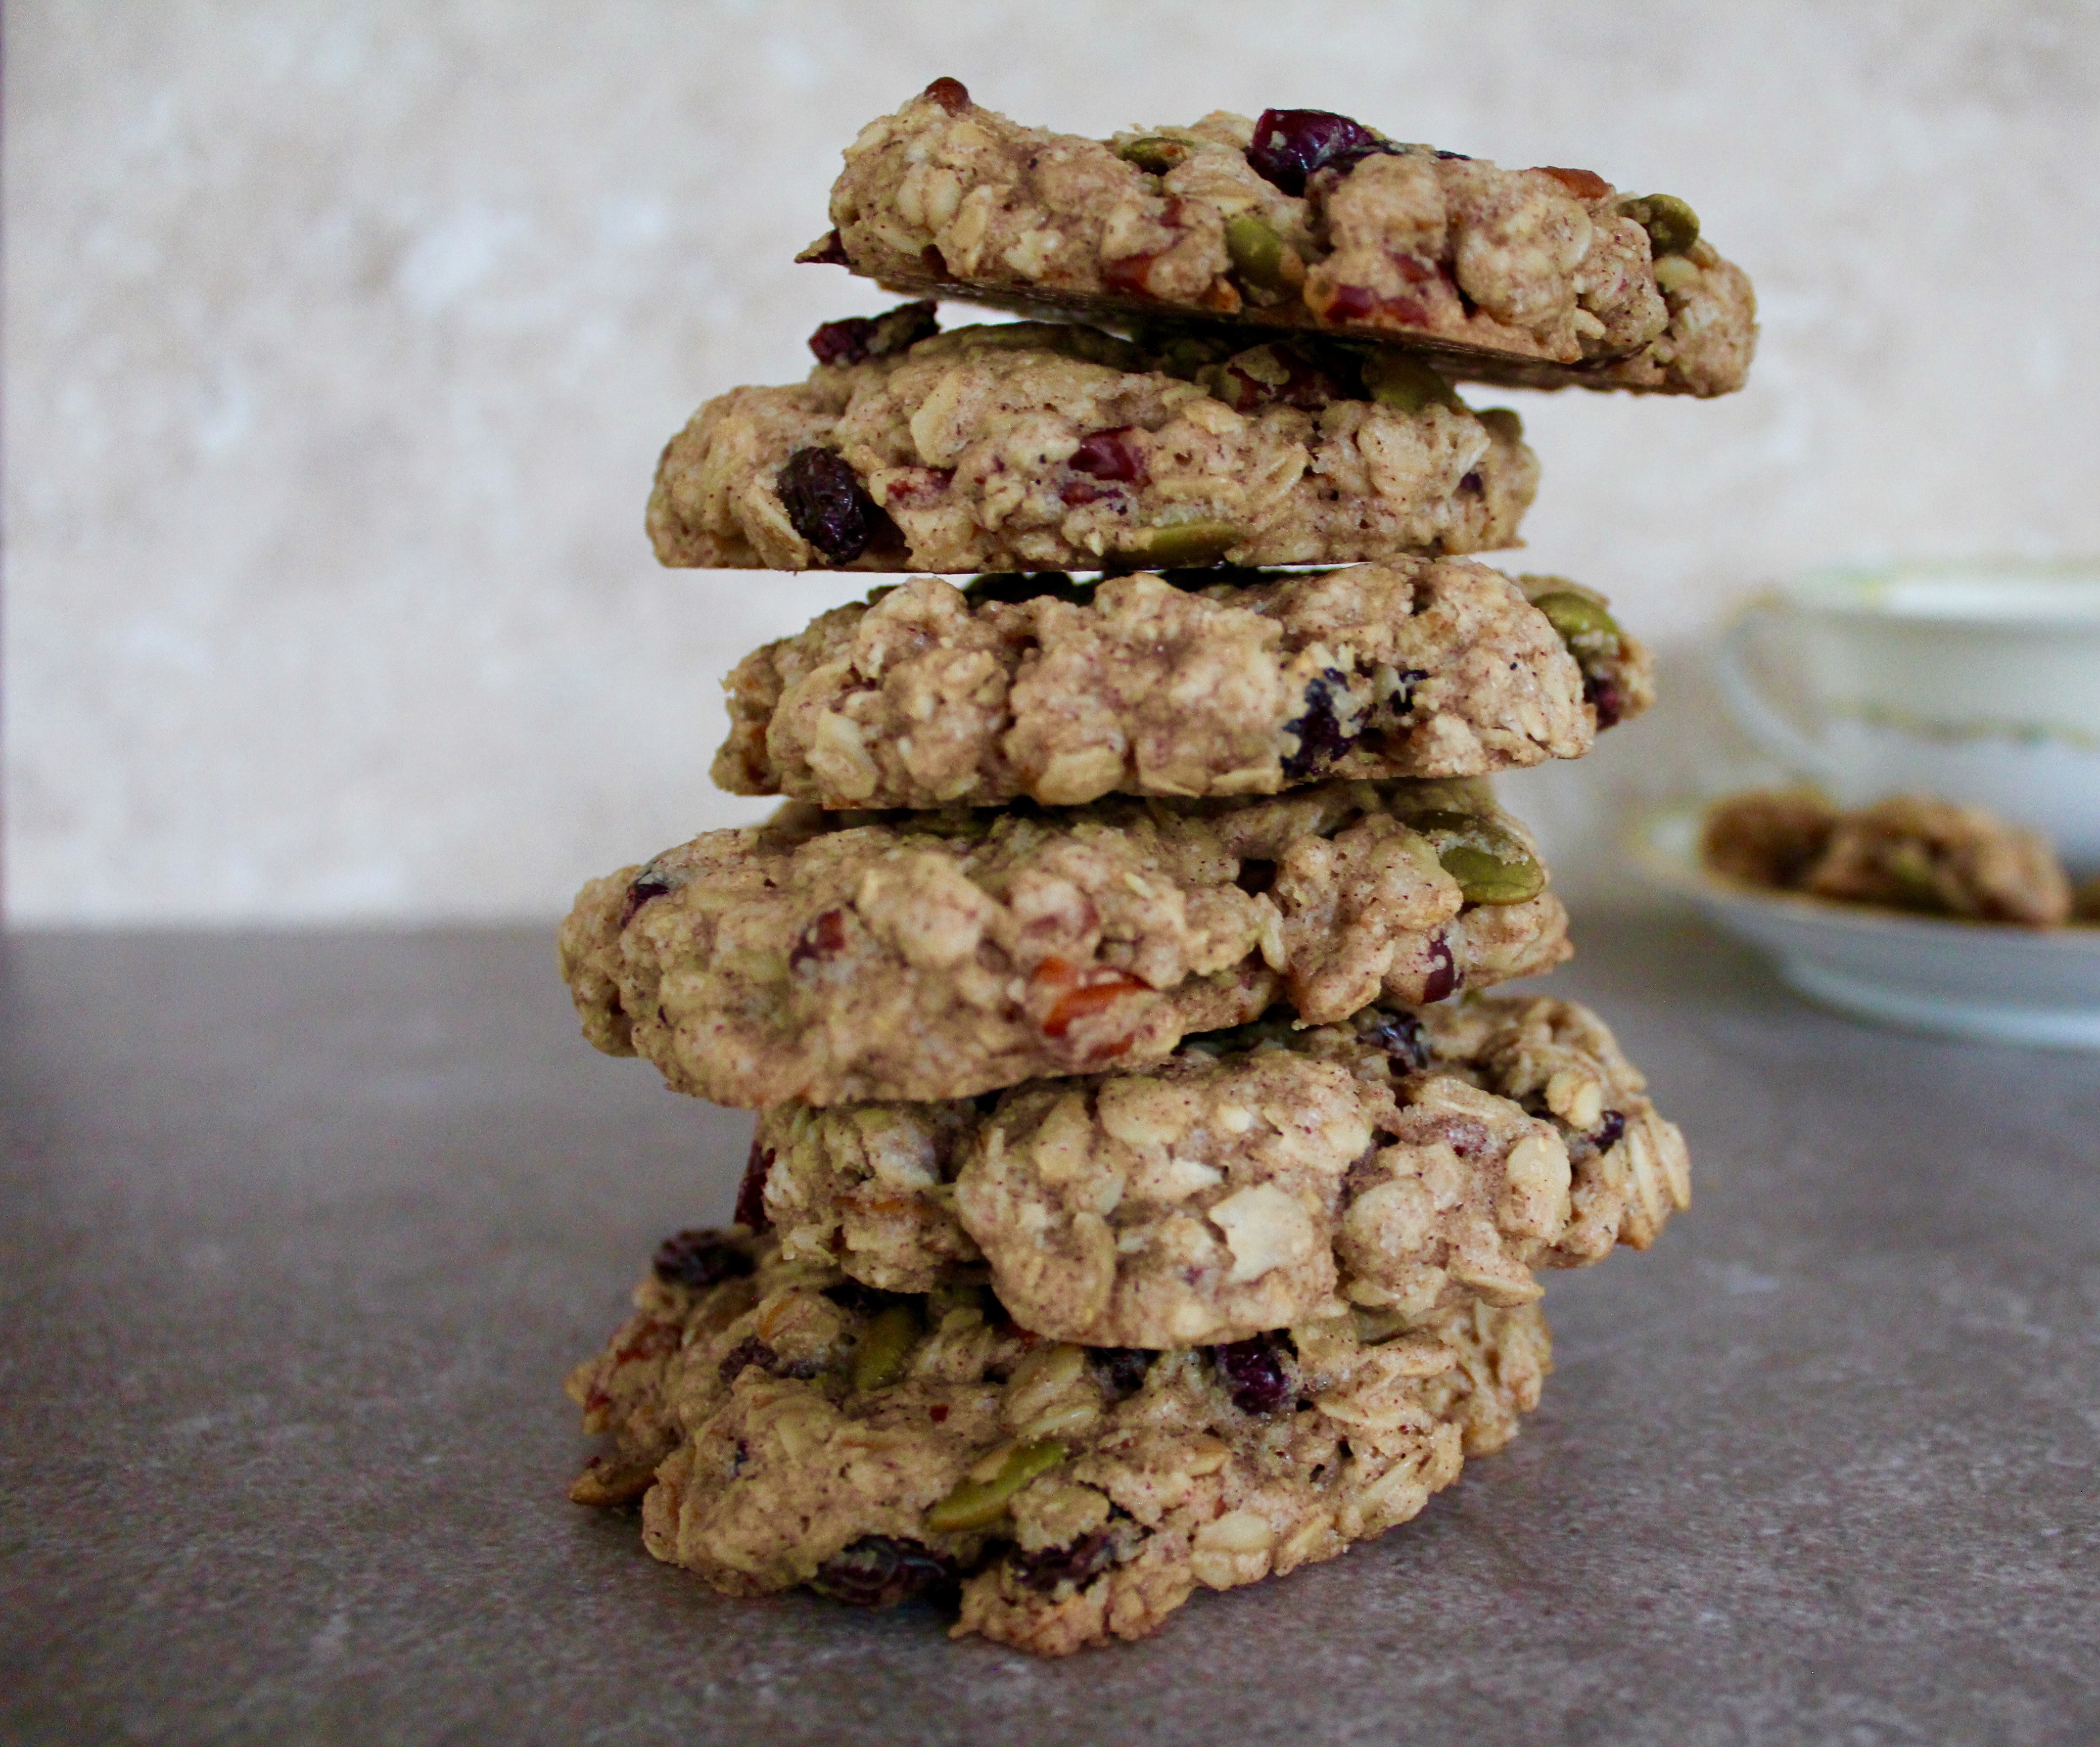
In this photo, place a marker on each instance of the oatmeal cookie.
(1911, 852)
(1034, 446)
(782, 1426)
(1194, 683)
(830, 958)
(1303, 220)
(1404, 1161)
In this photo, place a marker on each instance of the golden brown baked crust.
(1036, 687)
(1033, 446)
(1405, 1161)
(830, 958)
(782, 1428)
(1545, 277)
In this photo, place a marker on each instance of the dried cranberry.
(820, 940)
(1609, 1132)
(879, 1570)
(858, 338)
(1109, 455)
(1400, 1035)
(1443, 971)
(827, 251)
(751, 1351)
(951, 94)
(1584, 184)
(1605, 698)
(1131, 273)
(1309, 382)
(751, 1192)
(748, 1352)
(1322, 738)
(646, 884)
(843, 341)
(829, 507)
(701, 1258)
(1085, 1558)
(1472, 482)
(1290, 145)
(1256, 1373)
(1124, 1369)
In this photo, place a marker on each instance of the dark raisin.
(646, 884)
(749, 1350)
(827, 251)
(829, 507)
(879, 1570)
(1085, 1558)
(951, 94)
(1290, 145)
(1322, 738)
(1605, 698)
(1472, 483)
(1124, 1369)
(1256, 877)
(1443, 971)
(858, 338)
(843, 341)
(701, 1258)
(1401, 1036)
(1109, 455)
(820, 940)
(1256, 1373)
(751, 1192)
(1609, 1132)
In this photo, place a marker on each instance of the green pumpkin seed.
(1155, 153)
(1672, 227)
(1578, 619)
(1179, 543)
(1490, 866)
(977, 1504)
(880, 1359)
(1259, 253)
(1401, 381)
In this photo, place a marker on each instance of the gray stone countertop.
(298, 1233)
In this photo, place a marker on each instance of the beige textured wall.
(341, 339)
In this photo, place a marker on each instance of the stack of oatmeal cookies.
(1145, 1194)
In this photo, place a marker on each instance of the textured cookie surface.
(1302, 220)
(782, 1426)
(1403, 1161)
(1059, 692)
(828, 958)
(1911, 852)
(1034, 446)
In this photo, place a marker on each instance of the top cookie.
(1544, 278)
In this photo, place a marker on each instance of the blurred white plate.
(1979, 979)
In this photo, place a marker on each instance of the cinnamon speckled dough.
(971, 443)
(1910, 852)
(1533, 276)
(828, 958)
(779, 1430)
(1405, 1161)
(926, 696)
